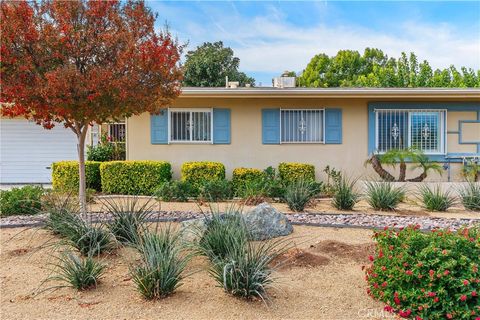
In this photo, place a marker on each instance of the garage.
(27, 150)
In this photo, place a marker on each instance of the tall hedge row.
(134, 177)
(65, 175)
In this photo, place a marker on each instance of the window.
(190, 125)
(420, 129)
(116, 132)
(302, 126)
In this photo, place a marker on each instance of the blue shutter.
(271, 126)
(159, 127)
(221, 126)
(333, 126)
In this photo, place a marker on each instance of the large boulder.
(265, 222)
(193, 229)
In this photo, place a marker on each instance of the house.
(340, 127)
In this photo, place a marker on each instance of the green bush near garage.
(199, 172)
(21, 201)
(290, 172)
(142, 177)
(65, 176)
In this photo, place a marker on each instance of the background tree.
(80, 62)
(375, 69)
(209, 64)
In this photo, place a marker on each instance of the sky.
(270, 37)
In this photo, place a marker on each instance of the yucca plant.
(247, 270)
(470, 195)
(129, 217)
(77, 272)
(435, 199)
(163, 263)
(91, 239)
(299, 193)
(344, 197)
(383, 195)
(223, 231)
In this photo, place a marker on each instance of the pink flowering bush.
(433, 275)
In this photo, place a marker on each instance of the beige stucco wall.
(246, 148)
(453, 119)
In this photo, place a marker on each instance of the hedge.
(21, 201)
(65, 175)
(240, 176)
(134, 177)
(292, 171)
(201, 171)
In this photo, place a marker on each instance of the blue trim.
(460, 127)
(159, 127)
(221, 126)
(333, 126)
(449, 106)
(271, 126)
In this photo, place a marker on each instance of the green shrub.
(344, 197)
(299, 193)
(65, 176)
(241, 176)
(198, 172)
(21, 201)
(436, 200)
(79, 273)
(176, 191)
(162, 266)
(134, 177)
(290, 172)
(129, 218)
(427, 275)
(383, 195)
(216, 190)
(470, 195)
(254, 192)
(106, 151)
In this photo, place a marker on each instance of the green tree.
(210, 63)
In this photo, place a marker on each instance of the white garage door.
(27, 150)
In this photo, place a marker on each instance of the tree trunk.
(403, 171)
(377, 166)
(81, 135)
(420, 178)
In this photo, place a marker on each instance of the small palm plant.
(77, 272)
(383, 195)
(162, 266)
(470, 196)
(435, 199)
(344, 197)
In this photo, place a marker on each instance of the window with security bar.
(190, 126)
(302, 125)
(401, 129)
(116, 131)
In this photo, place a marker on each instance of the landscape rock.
(265, 222)
(192, 229)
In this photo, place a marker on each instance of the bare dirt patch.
(337, 249)
(300, 258)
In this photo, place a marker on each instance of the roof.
(270, 92)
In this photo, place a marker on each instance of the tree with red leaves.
(82, 62)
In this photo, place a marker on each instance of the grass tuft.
(299, 194)
(470, 196)
(435, 199)
(344, 197)
(161, 270)
(383, 195)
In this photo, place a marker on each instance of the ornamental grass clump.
(344, 197)
(470, 196)
(435, 199)
(383, 195)
(162, 265)
(78, 272)
(129, 218)
(223, 232)
(300, 193)
(247, 269)
(427, 275)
